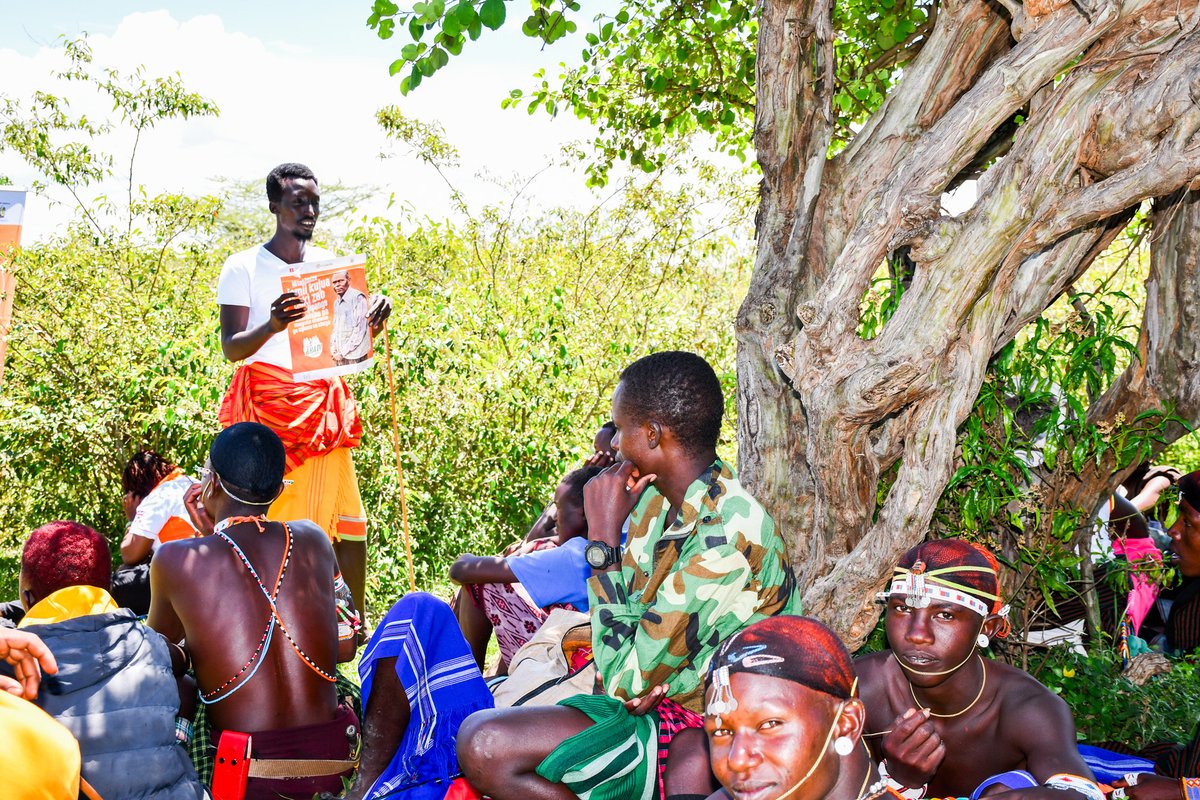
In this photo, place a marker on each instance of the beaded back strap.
(272, 597)
(264, 643)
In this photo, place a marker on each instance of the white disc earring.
(843, 746)
(983, 641)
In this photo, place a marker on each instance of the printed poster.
(333, 337)
(12, 209)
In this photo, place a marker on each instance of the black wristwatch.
(601, 556)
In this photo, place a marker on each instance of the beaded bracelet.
(1191, 788)
(1077, 783)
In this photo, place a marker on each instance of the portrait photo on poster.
(334, 337)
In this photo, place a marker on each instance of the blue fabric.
(1013, 779)
(1108, 766)
(557, 575)
(444, 687)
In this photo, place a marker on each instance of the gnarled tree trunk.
(1110, 93)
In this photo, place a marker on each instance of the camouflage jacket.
(681, 591)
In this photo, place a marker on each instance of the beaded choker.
(229, 522)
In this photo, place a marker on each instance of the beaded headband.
(921, 587)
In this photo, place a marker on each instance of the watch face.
(596, 555)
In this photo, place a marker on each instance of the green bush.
(507, 339)
(1110, 708)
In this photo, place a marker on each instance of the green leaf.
(466, 14)
(397, 65)
(415, 29)
(407, 53)
(492, 13)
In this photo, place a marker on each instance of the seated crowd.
(650, 637)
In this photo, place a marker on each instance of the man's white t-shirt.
(162, 516)
(253, 278)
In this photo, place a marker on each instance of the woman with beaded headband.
(942, 719)
(782, 717)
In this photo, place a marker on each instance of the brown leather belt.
(280, 768)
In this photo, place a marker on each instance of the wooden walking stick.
(387, 350)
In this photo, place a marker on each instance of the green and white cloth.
(615, 759)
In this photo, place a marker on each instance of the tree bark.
(823, 413)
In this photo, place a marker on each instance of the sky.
(301, 85)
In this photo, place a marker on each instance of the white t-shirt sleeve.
(233, 287)
(152, 514)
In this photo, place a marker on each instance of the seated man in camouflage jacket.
(702, 561)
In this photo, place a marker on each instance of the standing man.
(317, 420)
(351, 341)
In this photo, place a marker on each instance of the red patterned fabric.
(672, 718)
(510, 609)
(941, 553)
(311, 418)
(797, 649)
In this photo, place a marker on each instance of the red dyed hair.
(61, 554)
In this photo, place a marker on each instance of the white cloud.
(287, 101)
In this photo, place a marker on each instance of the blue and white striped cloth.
(443, 685)
(1108, 766)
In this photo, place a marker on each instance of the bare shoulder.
(1025, 698)
(310, 534)
(176, 563)
(173, 556)
(872, 665)
(873, 670)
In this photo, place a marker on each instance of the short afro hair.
(679, 390)
(286, 172)
(250, 459)
(143, 472)
(576, 479)
(61, 554)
